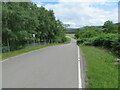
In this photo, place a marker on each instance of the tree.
(77, 33)
(109, 27)
(21, 20)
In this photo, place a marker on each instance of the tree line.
(107, 36)
(24, 22)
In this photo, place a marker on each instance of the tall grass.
(102, 72)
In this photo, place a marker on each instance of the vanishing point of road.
(50, 67)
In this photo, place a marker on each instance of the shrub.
(116, 46)
(104, 40)
(109, 41)
(106, 37)
(82, 40)
(88, 32)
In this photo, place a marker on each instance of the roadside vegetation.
(25, 23)
(107, 37)
(101, 46)
(70, 35)
(0, 56)
(102, 69)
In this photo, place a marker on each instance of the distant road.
(51, 67)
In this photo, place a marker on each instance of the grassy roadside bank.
(102, 72)
(0, 57)
(70, 35)
(28, 49)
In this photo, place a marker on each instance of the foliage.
(21, 20)
(116, 46)
(106, 37)
(70, 35)
(109, 27)
(77, 33)
(88, 32)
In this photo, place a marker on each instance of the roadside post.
(34, 39)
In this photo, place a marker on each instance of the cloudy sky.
(79, 13)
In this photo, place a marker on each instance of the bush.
(106, 36)
(88, 32)
(90, 41)
(116, 46)
(5, 49)
(82, 40)
(109, 41)
(104, 40)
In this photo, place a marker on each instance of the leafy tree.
(77, 33)
(22, 19)
(109, 27)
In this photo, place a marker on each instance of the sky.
(79, 13)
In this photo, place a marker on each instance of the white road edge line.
(79, 71)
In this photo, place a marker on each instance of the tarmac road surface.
(51, 67)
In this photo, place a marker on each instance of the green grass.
(101, 71)
(28, 49)
(68, 41)
(0, 57)
(70, 35)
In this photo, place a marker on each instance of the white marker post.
(34, 39)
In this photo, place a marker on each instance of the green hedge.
(116, 46)
(109, 41)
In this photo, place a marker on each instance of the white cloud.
(79, 13)
(39, 4)
(90, 1)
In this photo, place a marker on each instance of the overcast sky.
(79, 13)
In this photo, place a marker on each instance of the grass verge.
(0, 56)
(102, 72)
(28, 49)
(70, 35)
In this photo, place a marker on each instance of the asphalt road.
(51, 67)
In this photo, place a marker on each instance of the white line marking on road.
(79, 71)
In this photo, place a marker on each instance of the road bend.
(50, 67)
